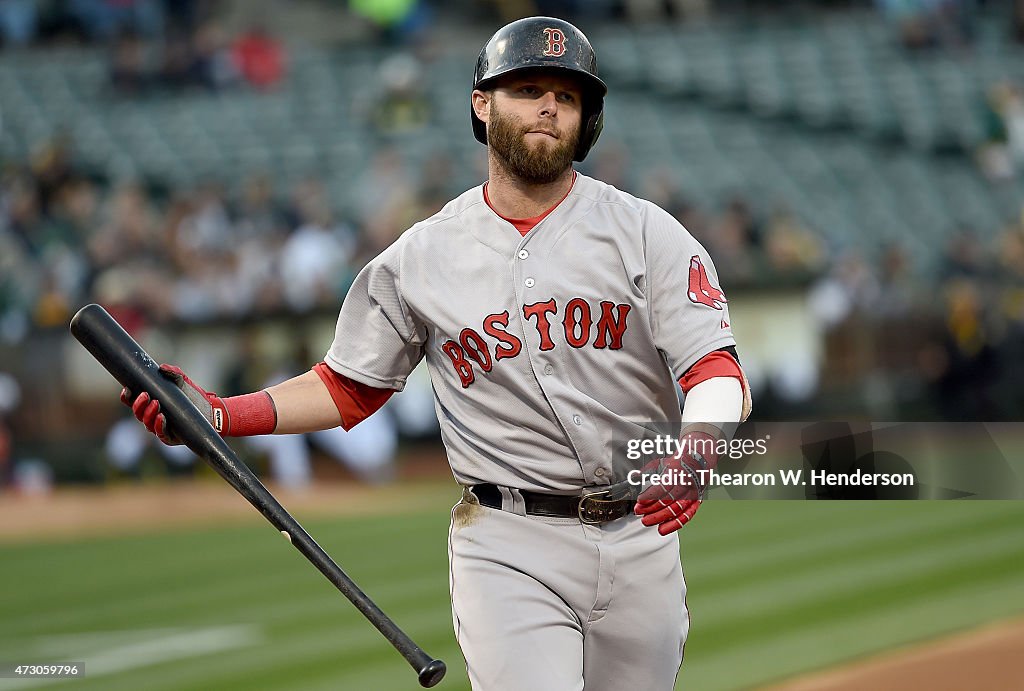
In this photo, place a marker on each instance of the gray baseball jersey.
(541, 349)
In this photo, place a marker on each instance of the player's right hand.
(147, 409)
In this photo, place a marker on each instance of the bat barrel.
(130, 365)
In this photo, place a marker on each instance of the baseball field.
(186, 587)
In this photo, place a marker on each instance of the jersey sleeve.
(378, 340)
(688, 309)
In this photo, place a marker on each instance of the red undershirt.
(525, 225)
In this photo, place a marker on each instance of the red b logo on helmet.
(555, 42)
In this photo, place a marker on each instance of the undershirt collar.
(525, 225)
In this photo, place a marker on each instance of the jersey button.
(523, 254)
(530, 283)
(577, 419)
(600, 472)
(548, 369)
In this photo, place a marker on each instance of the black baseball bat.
(126, 360)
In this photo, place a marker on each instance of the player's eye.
(529, 90)
(567, 97)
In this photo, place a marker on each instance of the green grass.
(776, 588)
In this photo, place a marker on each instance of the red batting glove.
(673, 504)
(147, 409)
(669, 506)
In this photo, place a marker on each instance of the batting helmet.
(545, 42)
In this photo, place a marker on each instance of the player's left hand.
(671, 505)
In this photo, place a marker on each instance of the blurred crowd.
(192, 255)
(154, 45)
(204, 57)
(1001, 155)
(904, 336)
(24, 22)
(947, 329)
(198, 255)
(941, 343)
(952, 24)
(931, 23)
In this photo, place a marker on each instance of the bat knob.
(432, 673)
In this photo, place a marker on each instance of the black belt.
(593, 506)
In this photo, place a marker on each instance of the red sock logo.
(700, 289)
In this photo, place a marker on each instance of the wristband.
(695, 479)
(247, 415)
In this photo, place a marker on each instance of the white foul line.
(171, 644)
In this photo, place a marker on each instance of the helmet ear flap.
(589, 132)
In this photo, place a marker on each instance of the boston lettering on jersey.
(580, 320)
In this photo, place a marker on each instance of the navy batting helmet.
(544, 42)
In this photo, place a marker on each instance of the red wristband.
(250, 414)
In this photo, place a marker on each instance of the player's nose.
(548, 104)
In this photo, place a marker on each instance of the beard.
(538, 165)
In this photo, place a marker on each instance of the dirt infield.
(133, 509)
(984, 659)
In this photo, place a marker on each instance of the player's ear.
(482, 104)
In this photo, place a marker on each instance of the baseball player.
(557, 315)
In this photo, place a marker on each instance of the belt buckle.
(595, 515)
